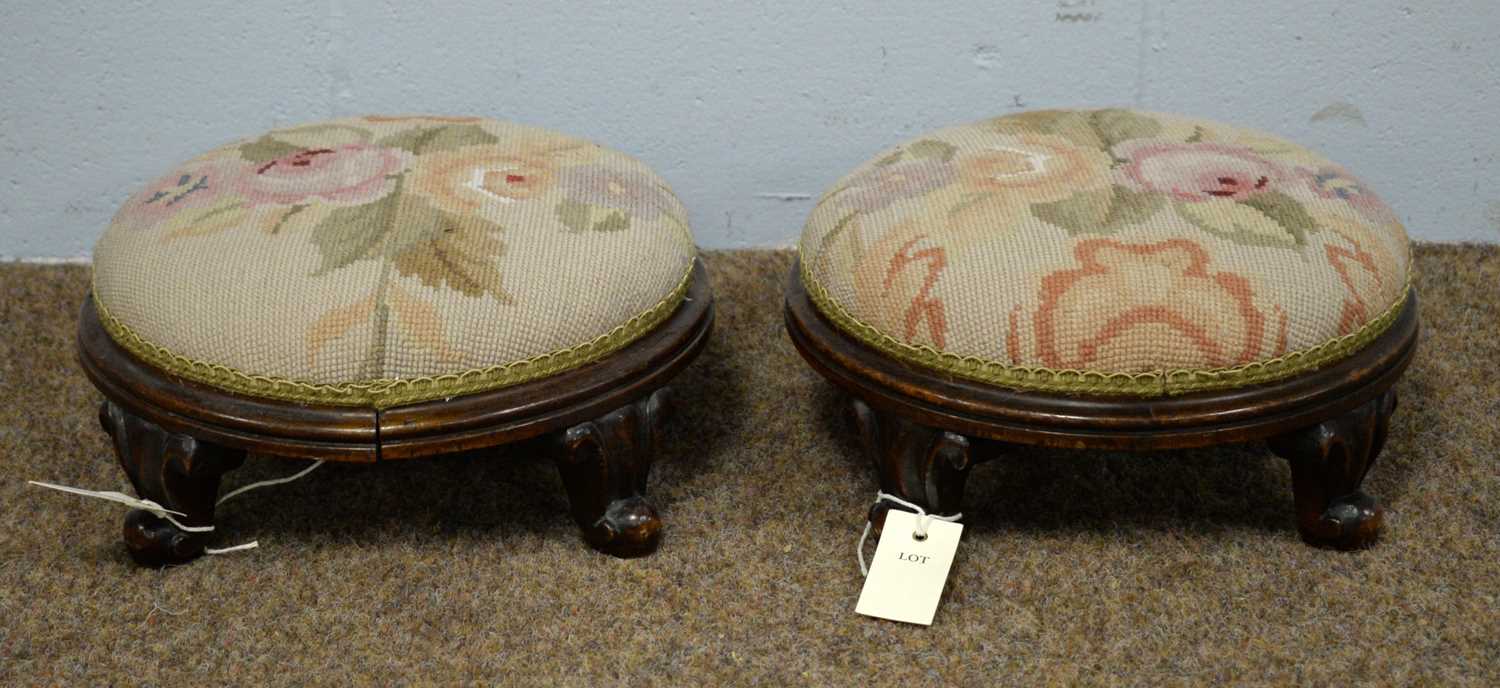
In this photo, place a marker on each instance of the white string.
(273, 481)
(237, 548)
(156, 509)
(924, 521)
(162, 512)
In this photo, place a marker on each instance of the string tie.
(162, 512)
(924, 521)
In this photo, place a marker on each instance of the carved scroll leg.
(1329, 461)
(173, 470)
(922, 465)
(604, 464)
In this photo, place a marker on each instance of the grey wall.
(749, 109)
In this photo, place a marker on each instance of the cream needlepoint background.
(386, 259)
(1152, 253)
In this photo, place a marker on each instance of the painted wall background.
(749, 110)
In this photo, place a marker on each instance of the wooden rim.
(1105, 422)
(347, 433)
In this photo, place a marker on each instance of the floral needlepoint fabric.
(1106, 251)
(386, 260)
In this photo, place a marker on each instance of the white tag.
(907, 575)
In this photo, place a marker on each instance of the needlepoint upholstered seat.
(384, 287)
(1110, 278)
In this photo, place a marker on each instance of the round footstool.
(1110, 279)
(381, 288)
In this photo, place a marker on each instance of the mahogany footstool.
(382, 288)
(1116, 280)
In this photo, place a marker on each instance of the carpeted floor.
(1075, 567)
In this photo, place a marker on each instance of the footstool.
(381, 288)
(1109, 279)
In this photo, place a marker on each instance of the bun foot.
(1350, 522)
(1329, 461)
(604, 464)
(174, 470)
(155, 542)
(629, 528)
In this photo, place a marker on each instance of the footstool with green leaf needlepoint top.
(1110, 279)
(380, 288)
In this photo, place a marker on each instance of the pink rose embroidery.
(196, 185)
(351, 174)
(1197, 171)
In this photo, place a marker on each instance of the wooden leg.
(604, 464)
(922, 465)
(173, 470)
(1329, 461)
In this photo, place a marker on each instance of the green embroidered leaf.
(578, 216)
(574, 214)
(226, 213)
(1198, 134)
(323, 136)
(1238, 222)
(431, 139)
(1129, 207)
(348, 235)
(411, 140)
(219, 209)
(415, 221)
(838, 230)
(1286, 211)
(289, 214)
(387, 227)
(1115, 125)
(265, 149)
(931, 148)
(1100, 212)
(1071, 125)
(461, 256)
(1037, 121)
(1100, 129)
(614, 222)
(1082, 213)
(891, 159)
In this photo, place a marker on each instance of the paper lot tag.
(907, 575)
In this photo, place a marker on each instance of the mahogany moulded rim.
(353, 433)
(1098, 422)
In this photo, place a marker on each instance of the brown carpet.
(1075, 567)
